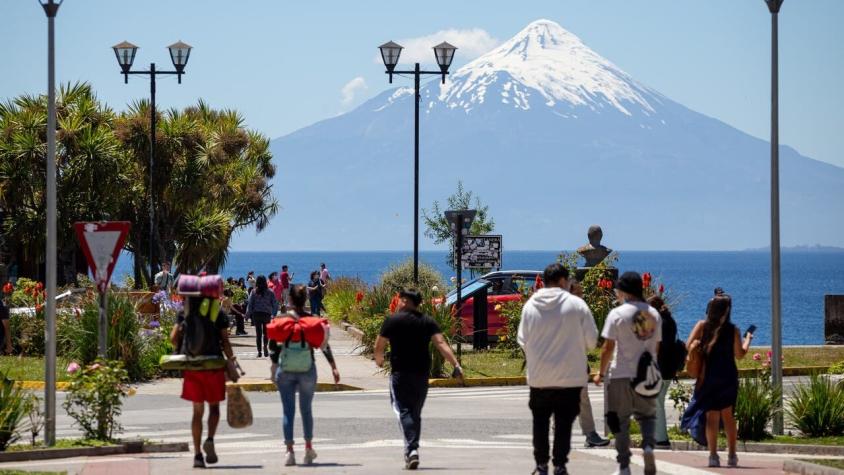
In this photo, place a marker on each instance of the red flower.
(646, 279)
(39, 286)
(38, 307)
(359, 297)
(8, 288)
(537, 284)
(661, 289)
(394, 303)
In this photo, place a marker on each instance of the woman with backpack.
(717, 342)
(294, 369)
(671, 358)
(261, 307)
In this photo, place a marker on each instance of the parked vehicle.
(504, 286)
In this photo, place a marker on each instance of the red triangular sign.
(102, 242)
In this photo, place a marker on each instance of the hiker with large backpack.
(200, 336)
(293, 338)
(671, 359)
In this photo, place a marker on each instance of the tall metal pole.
(458, 305)
(416, 178)
(151, 180)
(776, 308)
(51, 9)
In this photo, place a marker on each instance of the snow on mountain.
(554, 138)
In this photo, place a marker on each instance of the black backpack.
(199, 336)
(672, 351)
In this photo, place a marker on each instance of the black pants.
(260, 320)
(407, 395)
(238, 323)
(564, 405)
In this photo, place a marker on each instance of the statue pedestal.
(834, 319)
(580, 273)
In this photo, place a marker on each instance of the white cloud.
(470, 44)
(352, 88)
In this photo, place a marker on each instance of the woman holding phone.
(716, 391)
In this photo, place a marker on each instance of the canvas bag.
(648, 380)
(238, 409)
(296, 358)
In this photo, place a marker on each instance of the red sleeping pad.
(314, 328)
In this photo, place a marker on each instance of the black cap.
(719, 291)
(412, 294)
(631, 283)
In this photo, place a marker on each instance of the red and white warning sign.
(102, 242)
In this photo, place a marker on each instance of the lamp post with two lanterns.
(444, 54)
(179, 54)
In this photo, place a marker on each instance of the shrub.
(15, 404)
(27, 329)
(341, 304)
(817, 408)
(374, 309)
(400, 276)
(755, 406)
(95, 397)
(680, 394)
(345, 284)
(837, 368)
(512, 314)
(448, 323)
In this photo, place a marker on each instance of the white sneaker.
(714, 461)
(290, 460)
(650, 461)
(310, 455)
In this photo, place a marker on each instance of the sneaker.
(412, 460)
(290, 460)
(198, 461)
(650, 460)
(259, 354)
(732, 461)
(595, 440)
(622, 471)
(664, 444)
(208, 448)
(310, 455)
(540, 470)
(714, 461)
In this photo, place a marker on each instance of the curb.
(475, 382)
(35, 385)
(764, 448)
(128, 447)
(352, 330)
(807, 468)
(269, 386)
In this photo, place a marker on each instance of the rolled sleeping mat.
(196, 363)
(210, 286)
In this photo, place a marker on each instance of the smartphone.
(751, 329)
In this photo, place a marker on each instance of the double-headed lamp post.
(179, 54)
(444, 54)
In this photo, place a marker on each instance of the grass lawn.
(795, 356)
(29, 368)
(834, 463)
(788, 439)
(491, 363)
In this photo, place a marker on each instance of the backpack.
(199, 332)
(674, 359)
(296, 358)
(648, 380)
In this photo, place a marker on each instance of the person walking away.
(631, 330)
(260, 307)
(205, 386)
(164, 280)
(556, 331)
(316, 287)
(274, 284)
(250, 281)
(586, 417)
(671, 358)
(285, 286)
(324, 274)
(294, 369)
(409, 333)
(717, 389)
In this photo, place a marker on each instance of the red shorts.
(204, 386)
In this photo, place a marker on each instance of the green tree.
(91, 180)
(438, 227)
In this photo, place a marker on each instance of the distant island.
(802, 248)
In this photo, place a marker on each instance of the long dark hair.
(298, 297)
(261, 285)
(717, 319)
(658, 303)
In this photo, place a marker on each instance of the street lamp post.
(179, 54)
(51, 8)
(776, 301)
(444, 54)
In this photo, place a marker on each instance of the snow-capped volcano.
(546, 65)
(554, 138)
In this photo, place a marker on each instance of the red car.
(504, 286)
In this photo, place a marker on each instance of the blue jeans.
(287, 384)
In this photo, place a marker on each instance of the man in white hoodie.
(556, 332)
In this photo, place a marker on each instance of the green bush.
(374, 309)
(345, 284)
(448, 324)
(27, 329)
(755, 406)
(341, 304)
(837, 368)
(15, 405)
(512, 314)
(817, 408)
(400, 276)
(95, 398)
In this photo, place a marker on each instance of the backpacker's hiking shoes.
(412, 460)
(210, 453)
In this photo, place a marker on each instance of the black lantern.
(444, 53)
(390, 52)
(179, 53)
(125, 53)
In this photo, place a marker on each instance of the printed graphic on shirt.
(644, 324)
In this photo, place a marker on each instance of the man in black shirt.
(409, 332)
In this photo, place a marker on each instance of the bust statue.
(594, 252)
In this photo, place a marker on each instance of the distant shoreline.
(813, 249)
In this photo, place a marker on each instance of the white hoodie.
(556, 331)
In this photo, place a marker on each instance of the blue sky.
(287, 64)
